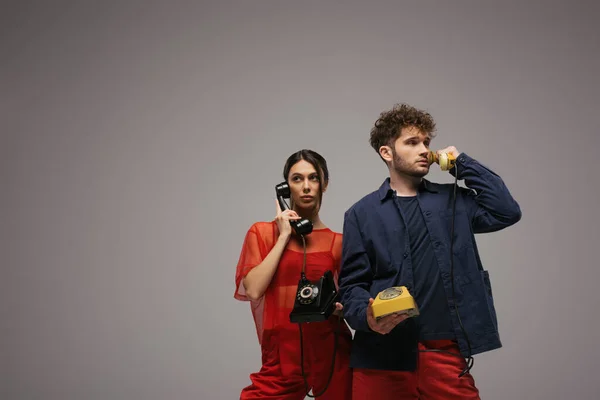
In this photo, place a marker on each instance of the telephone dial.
(315, 300)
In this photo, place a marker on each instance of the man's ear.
(386, 153)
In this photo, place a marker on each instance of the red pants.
(435, 378)
(281, 377)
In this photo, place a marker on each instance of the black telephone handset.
(315, 300)
(301, 226)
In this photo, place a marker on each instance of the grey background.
(140, 140)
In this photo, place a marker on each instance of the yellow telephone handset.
(445, 160)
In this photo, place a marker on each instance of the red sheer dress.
(280, 376)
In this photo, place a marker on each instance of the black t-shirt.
(434, 320)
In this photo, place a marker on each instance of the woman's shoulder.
(325, 230)
(332, 235)
(263, 227)
(336, 246)
(333, 232)
(263, 224)
(266, 231)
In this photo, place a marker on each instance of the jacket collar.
(385, 190)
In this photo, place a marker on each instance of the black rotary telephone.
(315, 300)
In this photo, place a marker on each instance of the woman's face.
(305, 185)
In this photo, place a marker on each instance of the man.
(399, 235)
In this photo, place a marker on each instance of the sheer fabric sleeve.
(258, 242)
(251, 255)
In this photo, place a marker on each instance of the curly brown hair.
(390, 123)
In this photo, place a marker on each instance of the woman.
(267, 275)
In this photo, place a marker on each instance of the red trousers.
(280, 376)
(435, 378)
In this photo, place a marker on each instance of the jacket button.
(405, 255)
(427, 213)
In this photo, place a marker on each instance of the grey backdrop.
(140, 140)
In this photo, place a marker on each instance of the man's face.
(409, 153)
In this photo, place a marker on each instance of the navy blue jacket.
(376, 255)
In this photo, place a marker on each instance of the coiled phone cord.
(469, 358)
